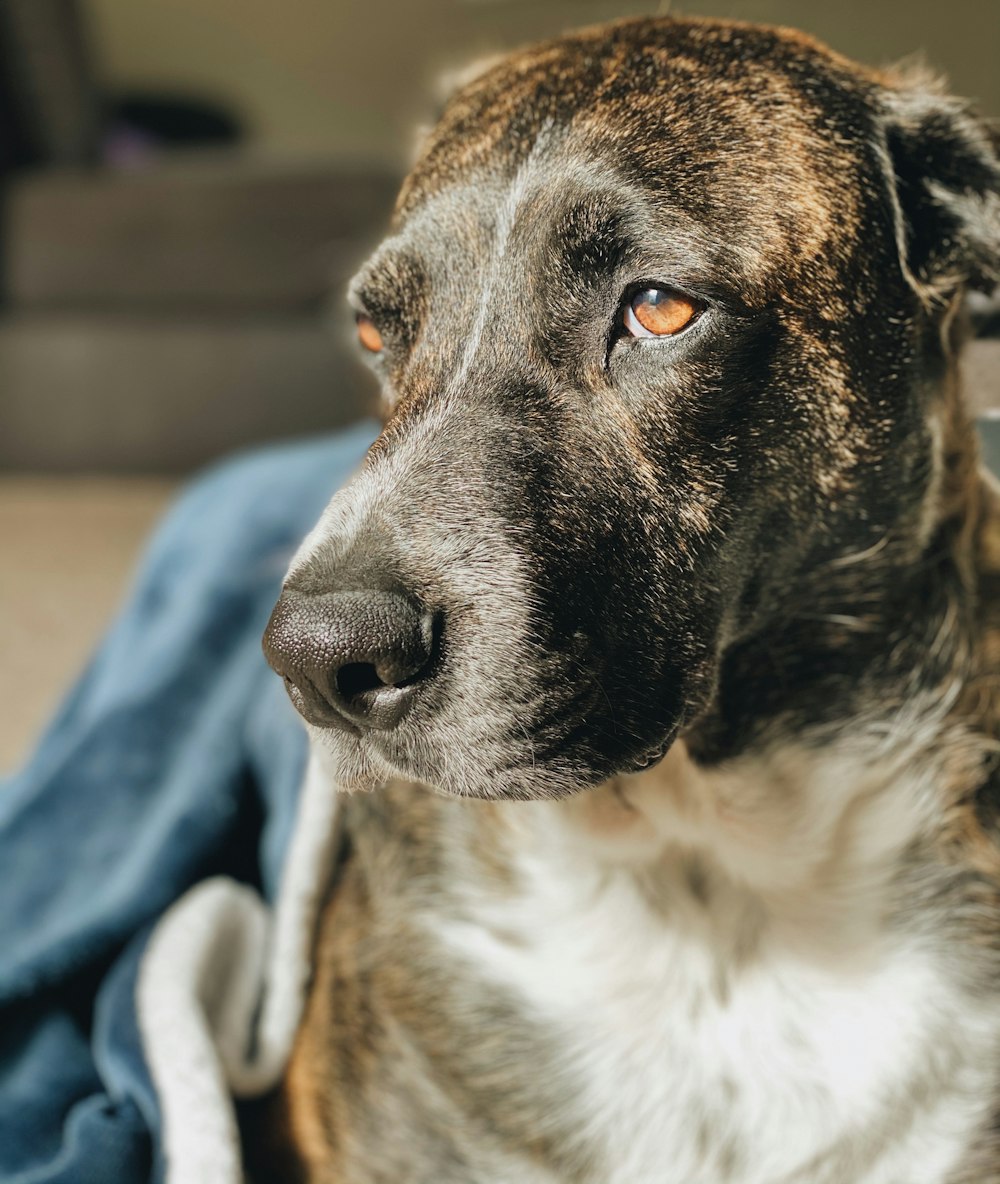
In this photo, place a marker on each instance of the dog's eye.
(368, 334)
(659, 312)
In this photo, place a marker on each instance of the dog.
(662, 623)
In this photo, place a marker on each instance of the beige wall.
(353, 77)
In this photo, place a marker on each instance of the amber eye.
(659, 312)
(368, 334)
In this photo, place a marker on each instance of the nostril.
(356, 682)
(357, 677)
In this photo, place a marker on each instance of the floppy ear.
(945, 162)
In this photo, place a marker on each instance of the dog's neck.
(793, 829)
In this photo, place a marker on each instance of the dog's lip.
(331, 720)
(652, 756)
(380, 746)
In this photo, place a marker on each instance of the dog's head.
(659, 326)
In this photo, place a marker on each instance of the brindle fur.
(776, 535)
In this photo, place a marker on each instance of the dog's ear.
(945, 164)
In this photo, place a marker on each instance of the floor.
(68, 546)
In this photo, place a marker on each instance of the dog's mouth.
(653, 756)
(462, 758)
(391, 691)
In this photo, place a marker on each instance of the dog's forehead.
(558, 225)
(559, 213)
(754, 131)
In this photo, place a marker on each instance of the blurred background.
(186, 187)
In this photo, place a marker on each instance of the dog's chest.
(698, 1046)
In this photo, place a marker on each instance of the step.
(120, 394)
(198, 232)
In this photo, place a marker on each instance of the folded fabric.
(177, 758)
(161, 868)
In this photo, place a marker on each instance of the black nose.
(350, 658)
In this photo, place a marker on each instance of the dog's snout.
(351, 659)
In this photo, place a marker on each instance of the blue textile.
(176, 757)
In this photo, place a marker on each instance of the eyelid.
(385, 318)
(359, 306)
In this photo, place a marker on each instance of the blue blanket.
(176, 757)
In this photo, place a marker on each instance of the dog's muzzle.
(352, 660)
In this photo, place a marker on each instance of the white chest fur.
(717, 1033)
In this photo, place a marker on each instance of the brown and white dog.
(663, 622)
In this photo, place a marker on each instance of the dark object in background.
(50, 110)
(174, 120)
(139, 128)
(16, 148)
